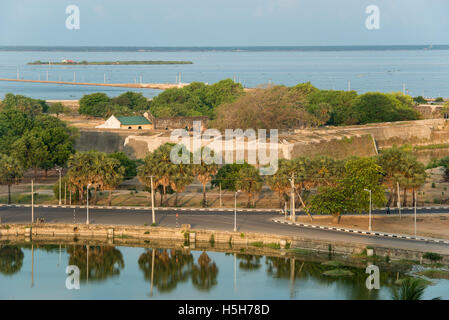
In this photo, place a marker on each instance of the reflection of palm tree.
(104, 262)
(249, 262)
(170, 268)
(11, 259)
(204, 274)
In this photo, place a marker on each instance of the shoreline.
(191, 238)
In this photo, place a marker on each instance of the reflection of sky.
(49, 282)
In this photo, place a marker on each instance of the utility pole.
(152, 201)
(349, 85)
(59, 170)
(292, 198)
(235, 211)
(399, 201)
(220, 196)
(370, 206)
(47, 75)
(416, 199)
(105, 78)
(87, 205)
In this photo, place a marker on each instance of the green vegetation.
(126, 104)
(338, 273)
(409, 289)
(435, 274)
(196, 99)
(86, 63)
(419, 100)
(434, 257)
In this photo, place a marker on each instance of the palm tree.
(158, 165)
(112, 176)
(250, 182)
(410, 289)
(205, 170)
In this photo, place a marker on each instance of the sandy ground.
(435, 226)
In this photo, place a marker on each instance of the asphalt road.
(213, 220)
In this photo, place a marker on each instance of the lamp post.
(370, 206)
(152, 202)
(87, 204)
(59, 170)
(235, 210)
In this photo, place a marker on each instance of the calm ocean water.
(424, 72)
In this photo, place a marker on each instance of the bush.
(432, 256)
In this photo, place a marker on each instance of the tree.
(249, 182)
(129, 164)
(275, 108)
(56, 108)
(157, 164)
(349, 193)
(393, 162)
(29, 106)
(132, 100)
(11, 172)
(228, 175)
(375, 107)
(31, 150)
(112, 176)
(205, 170)
(58, 138)
(94, 104)
(13, 124)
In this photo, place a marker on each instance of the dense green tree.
(56, 108)
(24, 104)
(228, 175)
(31, 150)
(132, 100)
(112, 175)
(94, 104)
(13, 124)
(374, 107)
(11, 172)
(129, 164)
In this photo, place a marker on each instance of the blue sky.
(223, 22)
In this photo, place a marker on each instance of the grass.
(26, 198)
(432, 146)
(434, 274)
(124, 236)
(260, 244)
(333, 263)
(301, 251)
(338, 273)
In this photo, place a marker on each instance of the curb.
(368, 233)
(136, 208)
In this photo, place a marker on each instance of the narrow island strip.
(86, 63)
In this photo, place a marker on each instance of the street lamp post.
(235, 210)
(370, 206)
(59, 170)
(87, 205)
(152, 202)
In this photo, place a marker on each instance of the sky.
(223, 22)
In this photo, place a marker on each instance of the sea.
(415, 70)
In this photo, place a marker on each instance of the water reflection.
(178, 272)
(167, 268)
(96, 263)
(11, 259)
